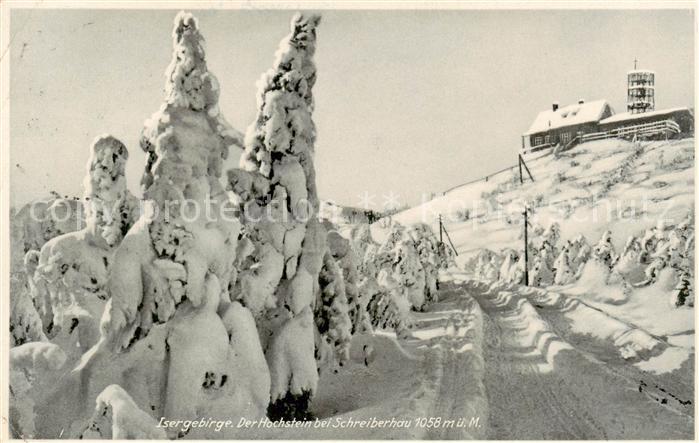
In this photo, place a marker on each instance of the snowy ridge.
(572, 189)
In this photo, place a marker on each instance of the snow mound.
(118, 417)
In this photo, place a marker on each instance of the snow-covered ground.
(514, 362)
(592, 188)
(425, 385)
(613, 186)
(557, 368)
(335, 327)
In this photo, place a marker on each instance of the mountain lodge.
(561, 128)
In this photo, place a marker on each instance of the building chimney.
(554, 106)
(581, 101)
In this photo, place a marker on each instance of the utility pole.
(526, 249)
(440, 229)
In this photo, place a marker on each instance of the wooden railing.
(577, 139)
(596, 136)
(652, 128)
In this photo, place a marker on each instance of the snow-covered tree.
(684, 291)
(582, 255)
(673, 253)
(41, 220)
(410, 275)
(399, 275)
(332, 311)
(361, 241)
(346, 257)
(174, 267)
(431, 257)
(512, 267)
(25, 321)
(649, 242)
(186, 142)
(383, 279)
(70, 276)
(629, 262)
(543, 270)
(485, 264)
(276, 182)
(170, 334)
(684, 294)
(542, 273)
(387, 250)
(387, 309)
(563, 272)
(604, 250)
(552, 234)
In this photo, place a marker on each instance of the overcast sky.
(408, 102)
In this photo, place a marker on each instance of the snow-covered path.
(496, 362)
(455, 326)
(545, 380)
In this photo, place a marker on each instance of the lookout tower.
(641, 91)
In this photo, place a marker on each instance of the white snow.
(118, 417)
(299, 308)
(669, 360)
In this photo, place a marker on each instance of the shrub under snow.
(662, 257)
(401, 274)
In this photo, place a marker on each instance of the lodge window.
(565, 137)
(547, 139)
(537, 140)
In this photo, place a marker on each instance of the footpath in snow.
(556, 368)
(427, 385)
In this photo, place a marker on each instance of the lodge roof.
(568, 115)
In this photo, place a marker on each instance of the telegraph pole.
(440, 229)
(443, 231)
(526, 249)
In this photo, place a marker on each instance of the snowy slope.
(596, 186)
(609, 185)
